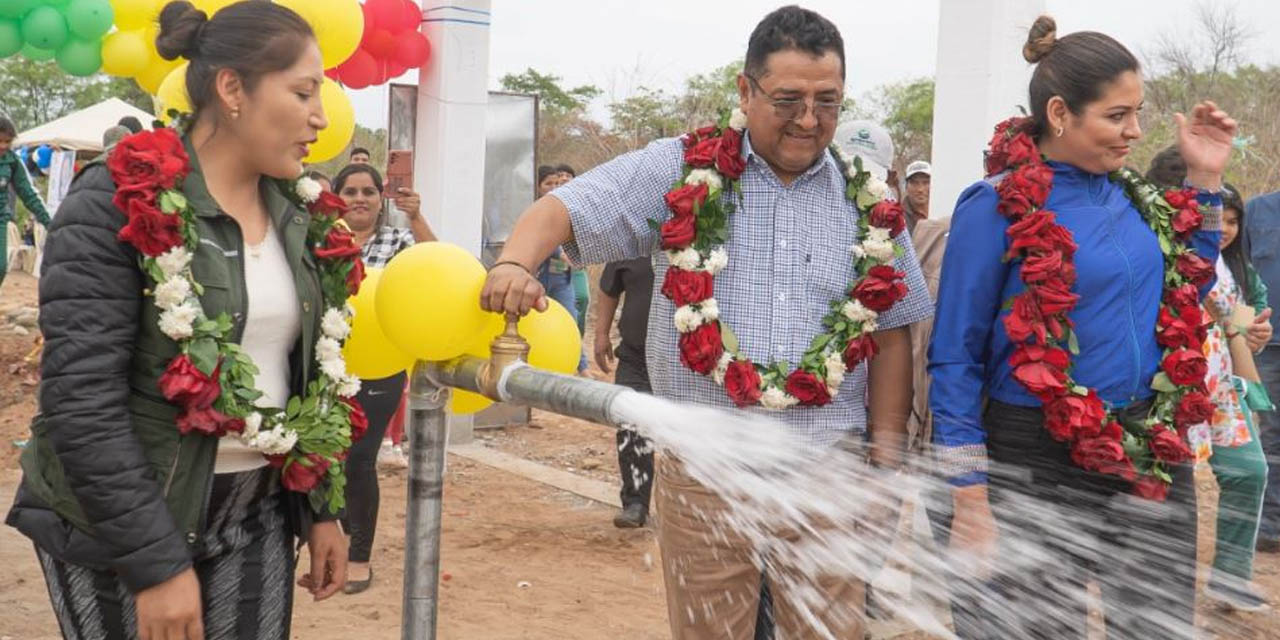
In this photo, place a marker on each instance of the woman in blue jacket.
(1064, 508)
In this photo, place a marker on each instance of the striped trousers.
(244, 560)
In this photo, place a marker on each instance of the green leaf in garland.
(204, 354)
(1165, 246)
(654, 224)
(728, 339)
(1073, 343)
(1163, 384)
(1159, 472)
(291, 410)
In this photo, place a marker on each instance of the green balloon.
(80, 57)
(44, 28)
(38, 55)
(10, 38)
(56, 3)
(16, 8)
(89, 19)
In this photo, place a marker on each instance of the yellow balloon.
(211, 7)
(135, 14)
(173, 94)
(465, 403)
(367, 351)
(334, 139)
(125, 53)
(338, 24)
(428, 300)
(153, 76)
(554, 343)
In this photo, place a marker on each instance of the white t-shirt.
(271, 329)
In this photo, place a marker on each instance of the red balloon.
(332, 74)
(359, 71)
(412, 50)
(395, 70)
(387, 14)
(382, 44)
(411, 17)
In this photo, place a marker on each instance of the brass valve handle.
(506, 348)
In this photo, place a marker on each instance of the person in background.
(871, 142)
(360, 186)
(916, 204)
(113, 135)
(324, 180)
(556, 273)
(1262, 240)
(131, 123)
(1085, 96)
(581, 287)
(14, 177)
(634, 279)
(359, 155)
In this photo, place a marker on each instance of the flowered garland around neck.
(694, 237)
(1039, 326)
(211, 380)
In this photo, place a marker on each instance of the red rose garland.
(693, 237)
(211, 379)
(1038, 321)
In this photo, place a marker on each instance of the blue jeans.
(1269, 427)
(559, 287)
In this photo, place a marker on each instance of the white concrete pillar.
(448, 163)
(981, 80)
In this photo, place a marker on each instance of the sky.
(619, 45)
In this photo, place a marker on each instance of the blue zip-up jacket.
(1119, 278)
(1262, 225)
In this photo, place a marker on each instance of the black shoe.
(1235, 593)
(1268, 545)
(353, 587)
(632, 516)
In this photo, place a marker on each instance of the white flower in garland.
(275, 442)
(855, 311)
(334, 368)
(876, 188)
(252, 423)
(776, 399)
(878, 234)
(738, 119)
(173, 261)
(710, 310)
(349, 386)
(880, 250)
(328, 349)
(709, 177)
(857, 252)
(334, 324)
(835, 371)
(869, 326)
(172, 292)
(687, 318)
(177, 322)
(686, 258)
(309, 190)
(717, 261)
(722, 367)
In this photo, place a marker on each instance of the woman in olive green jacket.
(146, 528)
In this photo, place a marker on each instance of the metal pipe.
(522, 384)
(427, 440)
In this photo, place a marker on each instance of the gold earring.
(1058, 132)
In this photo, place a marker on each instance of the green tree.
(551, 96)
(707, 95)
(644, 116)
(906, 110)
(33, 93)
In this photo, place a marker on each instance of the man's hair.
(1168, 169)
(359, 150)
(114, 134)
(6, 128)
(792, 27)
(131, 123)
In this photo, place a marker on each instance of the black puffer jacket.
(109, 482)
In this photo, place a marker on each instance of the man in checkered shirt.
(789, 256)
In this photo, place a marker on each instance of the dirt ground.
(520, 560)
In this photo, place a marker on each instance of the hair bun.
(1041, 38)
(181, 25)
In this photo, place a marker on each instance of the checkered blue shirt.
(788, 258)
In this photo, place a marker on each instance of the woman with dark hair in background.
(1045, 351)
(148, 524)
(360, 186)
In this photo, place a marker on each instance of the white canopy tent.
(83, 129)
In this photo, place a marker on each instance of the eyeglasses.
(793, 109)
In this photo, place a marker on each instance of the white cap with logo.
(869, 141)
(919, 166)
